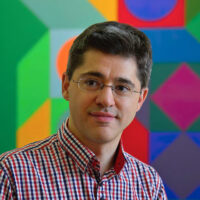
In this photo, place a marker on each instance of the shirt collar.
(82, 155)
(120, 158)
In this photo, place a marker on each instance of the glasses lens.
(89, 84)
(122, 89)
(92, 84)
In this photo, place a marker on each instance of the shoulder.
(21, 153)
(140, 167)
(146, 178)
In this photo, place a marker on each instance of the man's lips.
(103, 116)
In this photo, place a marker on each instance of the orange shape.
(62, 58)
(37, 127)
(109, 9)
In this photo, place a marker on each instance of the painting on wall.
(35, 40)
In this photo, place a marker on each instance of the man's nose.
(105, 96)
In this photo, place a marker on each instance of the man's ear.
(142, 98)
(65, 86)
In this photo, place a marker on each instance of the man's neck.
(105, 152)
(106, 155)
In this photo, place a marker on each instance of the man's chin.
(104, 135)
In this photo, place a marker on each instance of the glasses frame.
(102, 86)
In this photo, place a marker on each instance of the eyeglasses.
(93, 85)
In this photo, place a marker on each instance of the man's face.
(99, 117)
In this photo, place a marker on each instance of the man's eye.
(122, 88)
(91, 83)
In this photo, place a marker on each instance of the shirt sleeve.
(5, 186)
(161, 194)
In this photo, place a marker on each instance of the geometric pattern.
(192, 10)
(136, 140)
(159, 121)
(173, 152)
(176, 48)
(195, 136)
(165, 132)
(63, 13)
(195, 126)
(195, 194)
(62, 57)
(144, 113)
(159, 141)
(33, 79)
(174, 97)
(20, 30)
(154, 13)
(107, 8)
(34, 128)
(58, 39)
(59, 108)
(184, 178)
(170, 194)
(191, 27)
(150, 10)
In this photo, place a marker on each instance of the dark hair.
(117, 39)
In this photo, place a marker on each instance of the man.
(106, 84)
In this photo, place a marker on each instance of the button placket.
(100, 191)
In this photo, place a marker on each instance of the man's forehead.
(107, 66)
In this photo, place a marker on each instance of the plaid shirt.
(60, 167)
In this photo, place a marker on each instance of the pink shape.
(179, 96)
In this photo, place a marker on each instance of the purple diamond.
(179, 166)
(179, 97)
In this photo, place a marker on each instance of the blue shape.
(159, 141)
(58, 38)
(150, 9)
(195, 194)
(195, 136)
(170, 193)
(176, 45)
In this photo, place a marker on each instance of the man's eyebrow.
(100, 75)
(124, 80)
(92, 73)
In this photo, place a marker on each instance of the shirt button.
(101, 184)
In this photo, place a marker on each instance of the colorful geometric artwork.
(154, 14)
(138, 142)
(176, 46)
(16, 37)
(33, 79)
(182, 174)
(150, 10)
(192, 27)
(192, 10)
(62, 13)
(107, 8)
(159, 141)
(175, 127)
(195, 194)
(34, 128)
(58, 63)
(182, 84)
(62, 58)
(35, 41)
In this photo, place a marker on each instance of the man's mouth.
(103, 116)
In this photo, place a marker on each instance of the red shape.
(174, 19)
(136, 141)
(62, 58)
